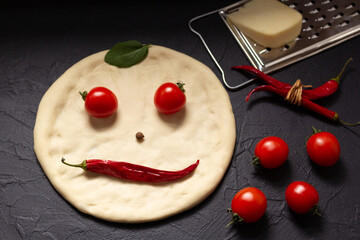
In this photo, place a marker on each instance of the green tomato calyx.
(235, 218)
(83, 94)
(315, 210)
(181, 86)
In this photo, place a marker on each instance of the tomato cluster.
(323, 148)
(249, 204)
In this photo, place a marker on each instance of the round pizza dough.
(204, 130)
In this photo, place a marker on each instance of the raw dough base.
(204, 129)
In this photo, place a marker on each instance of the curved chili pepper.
(131, 171)
(327, 88)
(305, 103)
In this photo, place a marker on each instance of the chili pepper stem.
(349, 124)
(336, 118)
(81, 165)
(337, 79)
(235, 218)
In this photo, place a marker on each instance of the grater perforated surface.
(326, 23)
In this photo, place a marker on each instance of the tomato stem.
(83, 94)
(315, 131)
(235, 218)
(256, 161)
(181, 86)
(315, 210)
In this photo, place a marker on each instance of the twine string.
(294, 95)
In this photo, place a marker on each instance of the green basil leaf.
(127, 54)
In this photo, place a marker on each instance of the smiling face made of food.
(204, 130)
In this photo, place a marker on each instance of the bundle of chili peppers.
(296, 95)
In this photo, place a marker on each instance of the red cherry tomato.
(323, 148)
(302, 197)
(100, 102)
(271, 152)
(170, 98)
(248, 205)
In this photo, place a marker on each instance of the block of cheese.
(269, 23)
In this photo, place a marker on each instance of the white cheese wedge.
(268, 22)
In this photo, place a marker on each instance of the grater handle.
(212, 55)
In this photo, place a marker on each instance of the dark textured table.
(38, 42)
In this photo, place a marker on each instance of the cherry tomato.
(248, 205)
(100, 102)
(271, 152)
(323, 148)
(170, 98)
(302, 197)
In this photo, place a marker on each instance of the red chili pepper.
(131, 171)
(304, 102)
(268, 88)
(268, 79)
(327, 88)
(324, 90)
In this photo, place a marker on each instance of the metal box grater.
(326, 23)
